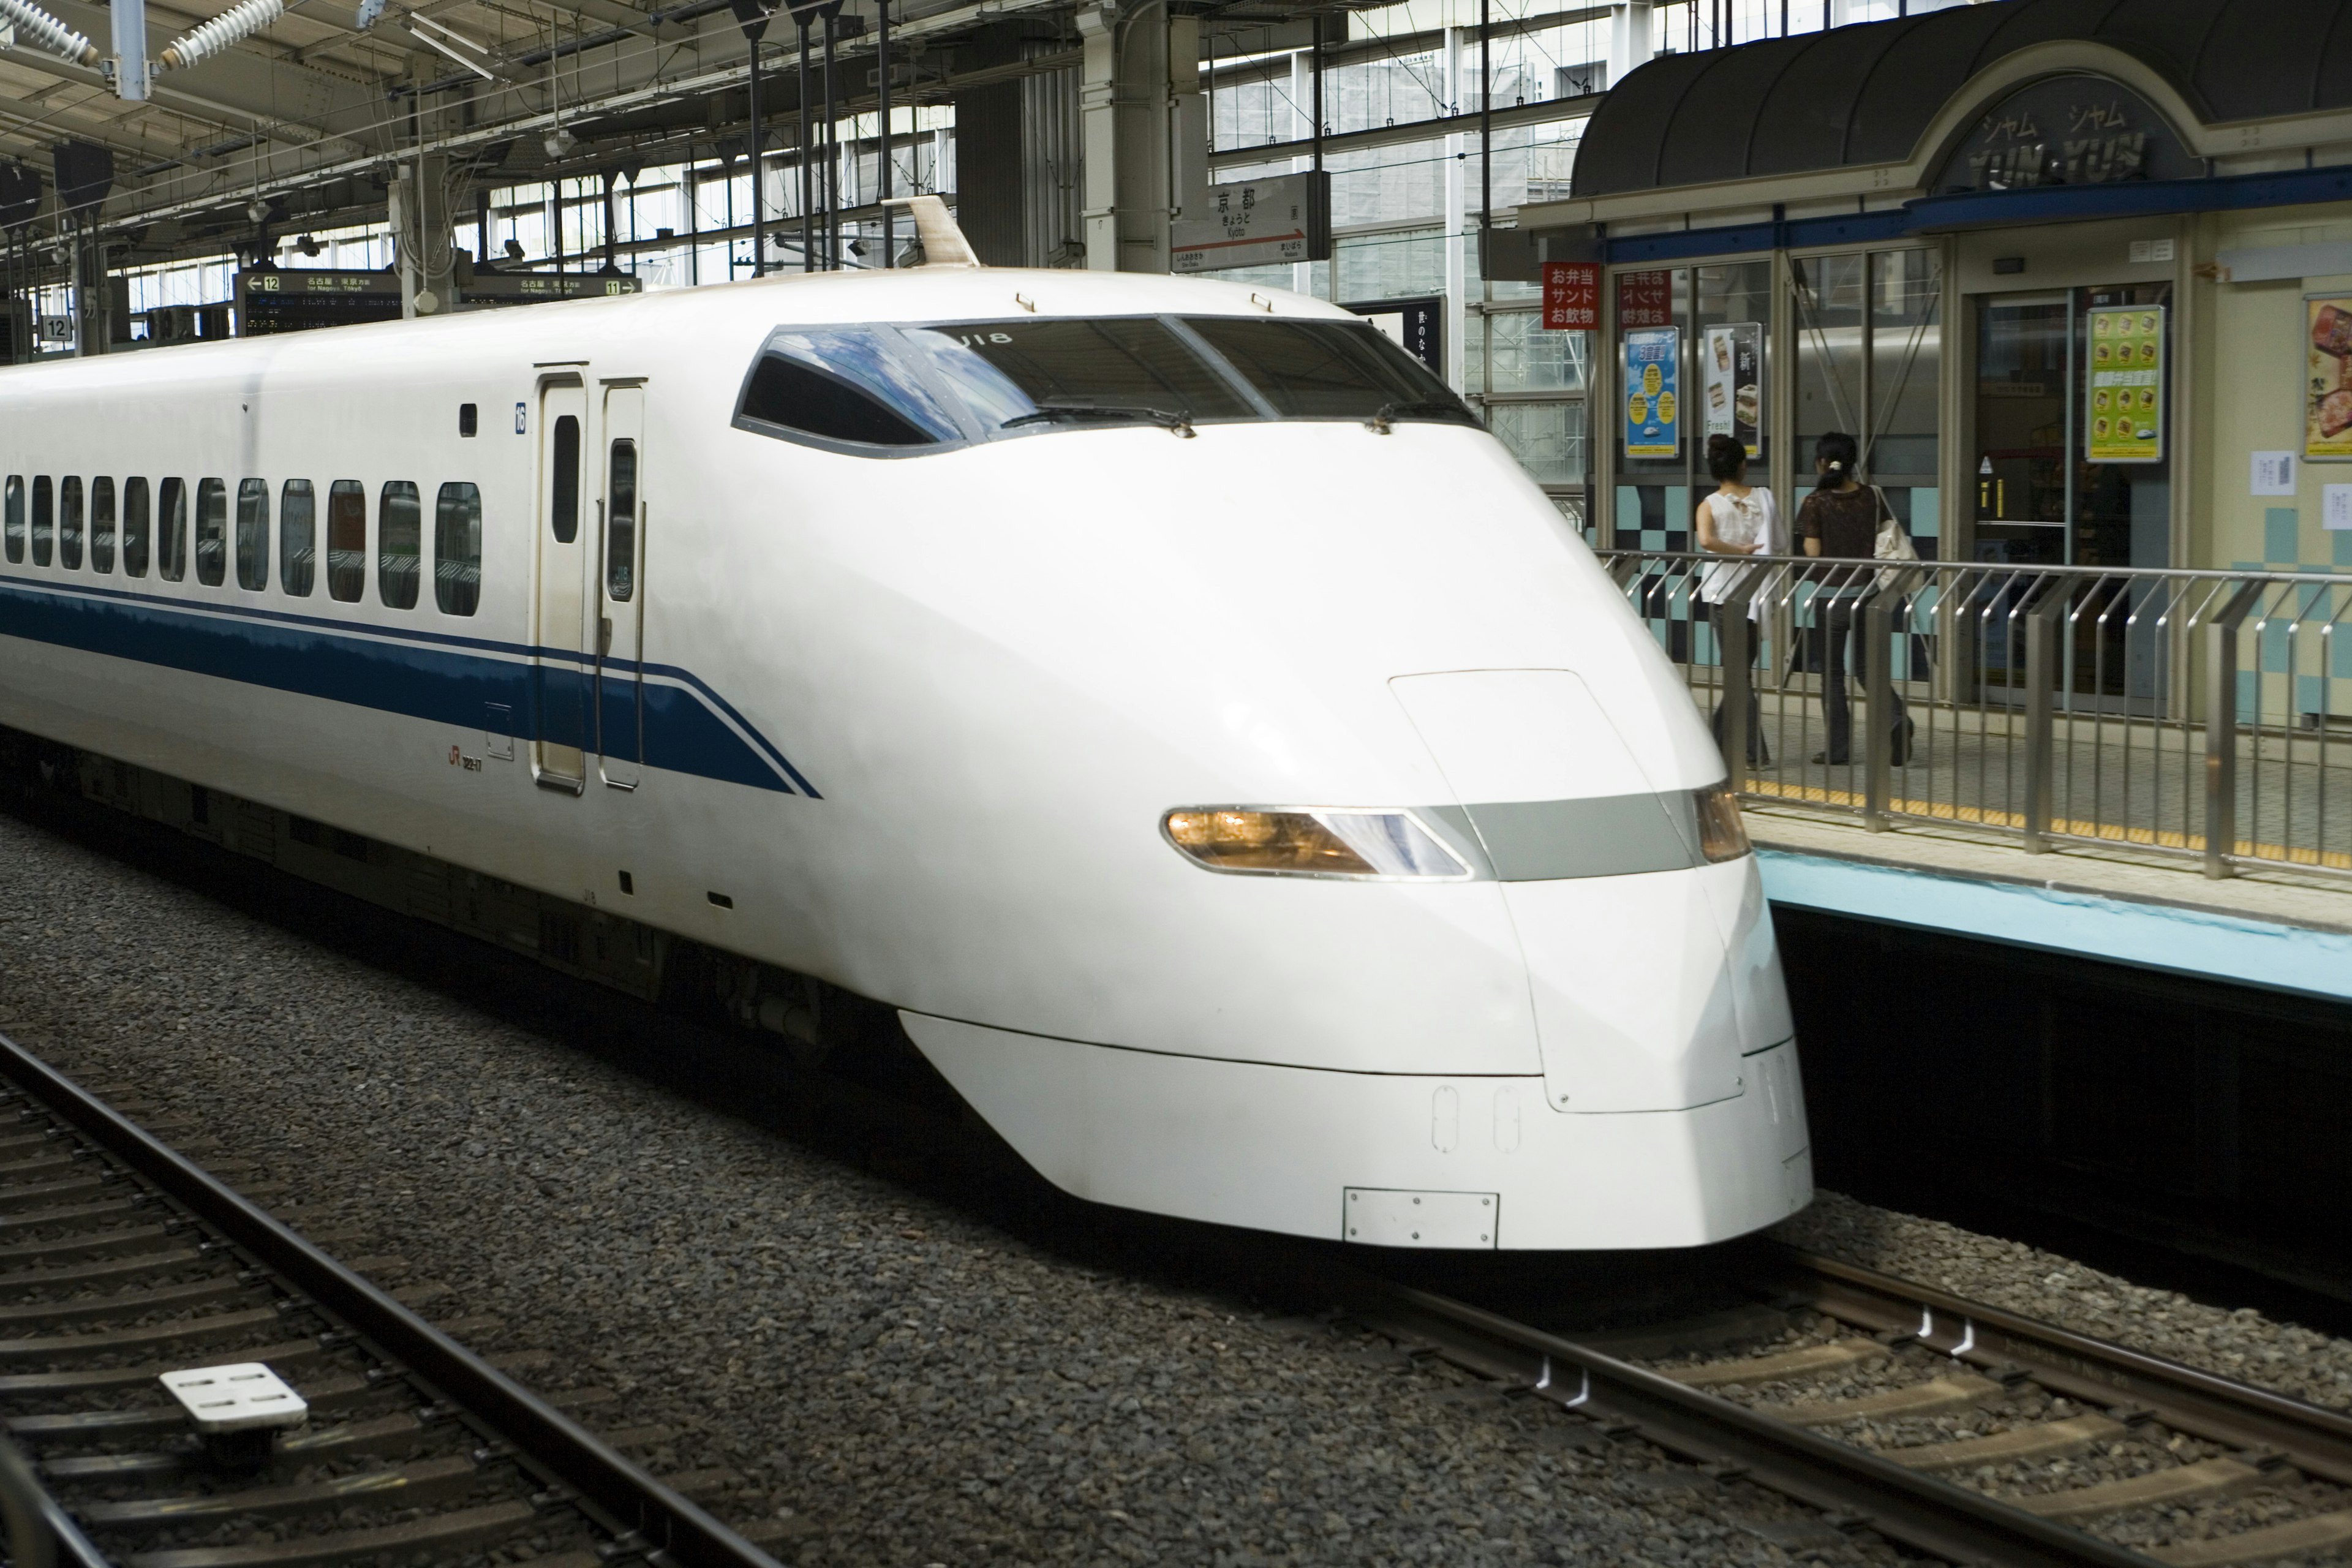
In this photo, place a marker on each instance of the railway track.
(121, 1260)
(1978, 1436)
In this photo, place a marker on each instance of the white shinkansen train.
(1247, 792)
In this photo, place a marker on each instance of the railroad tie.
(2181, 1483)
(2041, 1441)
(1807, 1361)
(441, 1531)
(428, 1480)
(1959, 1391)
(2317, 1533)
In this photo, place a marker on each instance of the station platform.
(2274, 931)
(2085, 1038)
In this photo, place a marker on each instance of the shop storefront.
(2083, 293)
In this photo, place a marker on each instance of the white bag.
(1893, 543)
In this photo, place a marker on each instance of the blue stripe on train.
(445, 679)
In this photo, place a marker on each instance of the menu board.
(1730, 369)
(2125, 420)
(2327, 385)
(1653, 411)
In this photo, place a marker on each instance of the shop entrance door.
(2074, 468)
(2072, 438)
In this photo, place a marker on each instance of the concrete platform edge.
(2174, 938)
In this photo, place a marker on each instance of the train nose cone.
(1638, 1003)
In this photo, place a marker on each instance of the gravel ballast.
(854, 1369)
(2238, 1342)
(848, 1369)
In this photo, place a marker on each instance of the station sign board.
(1256, 223)
(299, 298)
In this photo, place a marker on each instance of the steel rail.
(1854, 1484)
(2312, 1438)
(651, 1520)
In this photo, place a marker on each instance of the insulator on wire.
(239, 22)
(48, 32)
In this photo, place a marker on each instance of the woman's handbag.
(1893, 543)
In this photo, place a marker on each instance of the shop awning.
(1866, 94)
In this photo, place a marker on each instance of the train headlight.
(1308, 842)
(1721, 835)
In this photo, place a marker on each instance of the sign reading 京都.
(1731, 369)
(1286, 217)
(2125, 419)
(1571, 296)
(1653, 411)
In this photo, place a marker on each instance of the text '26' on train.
(1160, 700)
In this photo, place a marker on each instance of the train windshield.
(1013, 374)
(883, 391)
(1329, 370)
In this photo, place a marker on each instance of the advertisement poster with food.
(2125, 420)
(2327, 393)
(1652, 401)
(1731, 368)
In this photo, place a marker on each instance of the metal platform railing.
(2203, 714)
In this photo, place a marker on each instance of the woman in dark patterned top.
(1841, 520)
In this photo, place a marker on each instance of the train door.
(559, 729)
(620, 591)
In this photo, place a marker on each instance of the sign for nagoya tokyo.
(1283, 219)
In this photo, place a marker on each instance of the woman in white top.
(1739, 519)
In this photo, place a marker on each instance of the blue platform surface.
(2177, 938)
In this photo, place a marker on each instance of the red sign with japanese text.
(1645, 299)
(1571, 296)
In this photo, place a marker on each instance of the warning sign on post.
(1571, 296)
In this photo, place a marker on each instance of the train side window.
(69, 497)
(346, 539)
(621, 524)
(102, 525)
(136, 540)
(564, 505)
(45, 519)
(212, 532)
(458, 549)
(399, 540)
(297, 538)
(253, 534)
(12, 508)
(172, 528)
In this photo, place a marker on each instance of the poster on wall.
(2327, 385)
(1731, 369)
(1652, 404)
(2126, 414)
